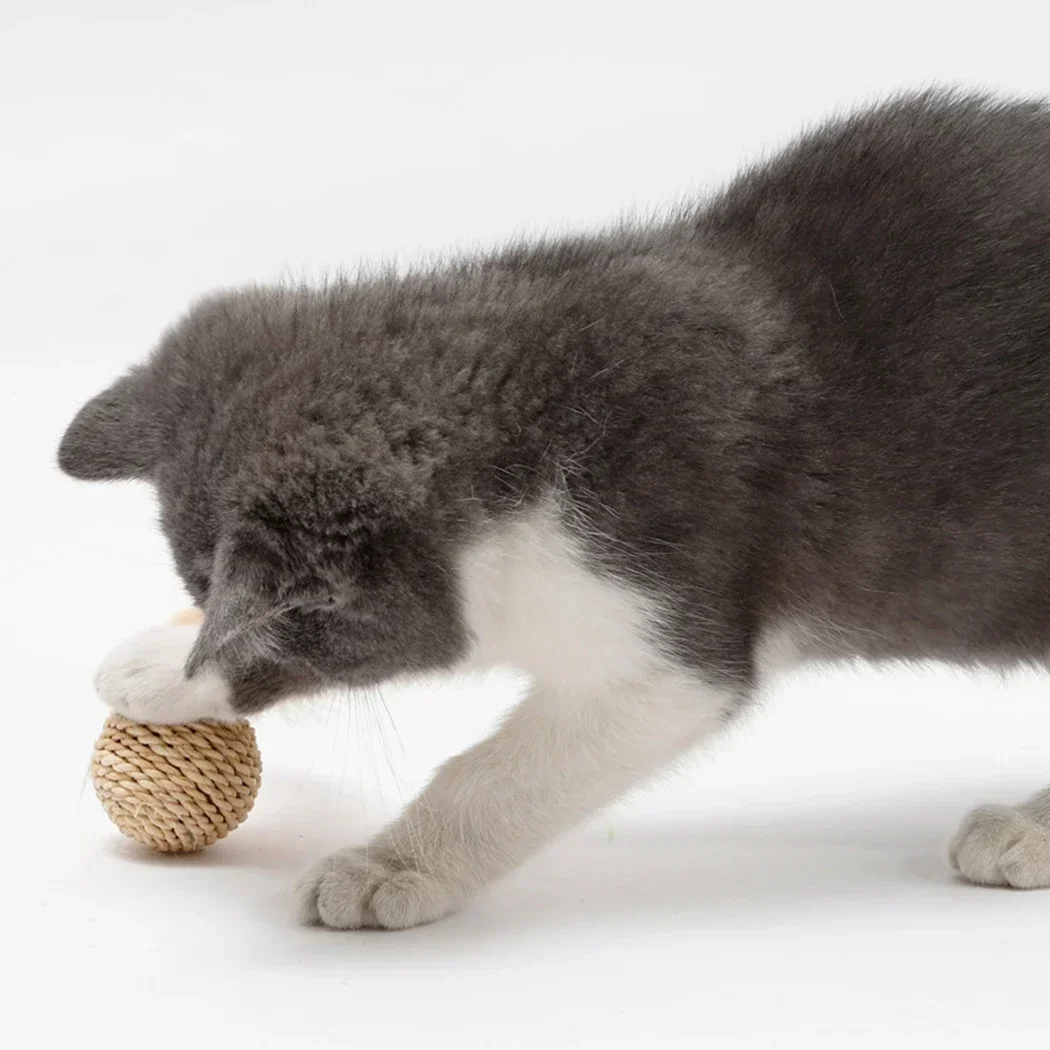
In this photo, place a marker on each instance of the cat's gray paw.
(362, 887)
(1002, 846)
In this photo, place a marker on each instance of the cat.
(805, 418)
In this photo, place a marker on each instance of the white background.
(787, 889)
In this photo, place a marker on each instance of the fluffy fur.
(807, 418)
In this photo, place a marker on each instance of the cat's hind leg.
(1005, 845)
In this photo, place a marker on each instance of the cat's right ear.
(115, 436)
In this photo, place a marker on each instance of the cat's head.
(299, 519)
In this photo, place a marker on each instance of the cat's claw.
(1002, 846)
(365, 887)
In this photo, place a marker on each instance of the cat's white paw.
(1002, 846)
(366, 887)
(143, 679)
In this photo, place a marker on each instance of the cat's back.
(911, 244)
(937, 201)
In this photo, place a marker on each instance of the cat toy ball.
(176, 788)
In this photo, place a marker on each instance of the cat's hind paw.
(1002, 846)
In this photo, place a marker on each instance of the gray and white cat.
(809, 417)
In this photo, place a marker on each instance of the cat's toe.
(337, 891)
(359, 888)
(410, 898)
(1002, 846)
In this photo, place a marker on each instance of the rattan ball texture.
(176, 788)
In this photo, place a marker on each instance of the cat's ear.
(116, 435)
(239, 611)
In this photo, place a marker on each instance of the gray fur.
(821, 397)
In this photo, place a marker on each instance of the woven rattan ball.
(176, 788)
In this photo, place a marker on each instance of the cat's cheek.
(144, 679)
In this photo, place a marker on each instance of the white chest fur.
(532, 603)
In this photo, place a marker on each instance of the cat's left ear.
(116, 435)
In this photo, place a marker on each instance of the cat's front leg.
(558, 757)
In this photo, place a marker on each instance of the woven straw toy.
(176, 788)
